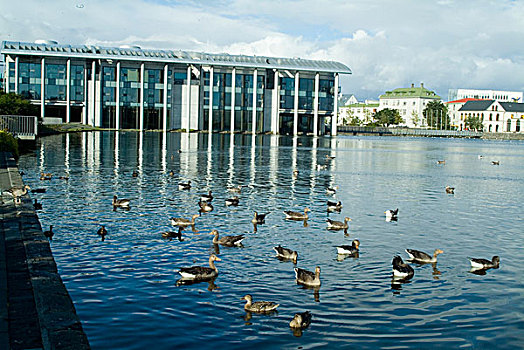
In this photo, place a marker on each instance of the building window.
(508, 125)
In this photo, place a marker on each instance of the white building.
(410, 102)
(501, 96)
(454, 114)
(495, 116)
(363, 111)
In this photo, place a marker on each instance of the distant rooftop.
(412, 92)
(464, 100)
(134, 53)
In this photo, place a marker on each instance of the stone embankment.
(36, 311)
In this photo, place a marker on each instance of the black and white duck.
(232, 201)
(121, 203)
(206, 197)
(352, 249)
(171, 234)
(450, 190)
(205, 207)
(182, 222)
(259, 218)
(334, 206)
(421, 257)
(391, 213)
(258, 306)
(201, 273)
(228, 241)
(301, 320)
(286, 253)
(477, 263)
(332, 190)
(49, 234)
(293, 215)
(338, 225)
(307, 277)
(401, 269)
(184, 185)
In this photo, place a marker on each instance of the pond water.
(125, 288)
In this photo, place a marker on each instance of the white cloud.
(387, 43)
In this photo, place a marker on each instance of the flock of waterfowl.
(401, 270)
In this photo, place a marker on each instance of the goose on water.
(259, 218)
(495, 162)
(49, 234)
(201, 273)
(418, 256)
(17, 191)
(228, 241)
(441, 162)
(450, 190)
(293, 215)
(233, 201)
(102, 232)
(205, 207)
(184, 185)
(391, 214)
(46, 176)
(236, 189)
(349, 249)
(307, 277)
(286, 253)
(258, 306)
(401, 269)
(171, 234)
(338, 225)
(334, 206)
(206, 197)
(182, 222)
(36, 205)
(301, 320)
(477, 263)
(122, 203)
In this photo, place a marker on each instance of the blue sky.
(387, 44)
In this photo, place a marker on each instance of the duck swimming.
(307, 277)
(293, 215)
(401, 269)
(236, 189)
(184, 185)
(171, 234)
(46, 176)
(232, 201)
(36, 205)
(450, 190)
(421, 257)
(201, 273)
(206, 197)
(102, 232)
(49, 234)
(259, 218)
(122, 203)
(334, 206)
(332, 190)
(391, 214)
(182, 222)
(286, 253)
(337, 225)
(485, 263)
(301, 320)
(352, 249)
(258, 306)
(228, 241)
(205, 207)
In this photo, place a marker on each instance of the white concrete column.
(295, 112)
(315, 105)
(185, 122)
(334, 117)
(142, 72)
(117, 97)
(254, 114)
(7, 76)
(211, 82)
(233, 94)
(17, 61)
(92, 101)
(275, 103)
(68, 91)
(85, 108)
(164, 110)
(42, 89)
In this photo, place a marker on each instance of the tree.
(415, 118)
(388, 117)
(14, 104)
(436, 115)
(473, 123)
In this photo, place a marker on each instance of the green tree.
(388, 117)
(436, 115)
(355, 121)
(14, 104)
(415, 118)
(473, 123)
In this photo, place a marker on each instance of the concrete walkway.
(36, 311)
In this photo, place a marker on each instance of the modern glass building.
(131, 88)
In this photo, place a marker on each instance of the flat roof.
(170, 56)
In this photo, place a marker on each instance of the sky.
(445, 44)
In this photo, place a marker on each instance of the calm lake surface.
(125, 287)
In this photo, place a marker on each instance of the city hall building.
(132, 88)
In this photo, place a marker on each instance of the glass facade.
(130, 98)
(153, 98)
(326, 95)
(109, 97)
(55, 82)
(12, 76)
(29, 80)
(287, 93)
(306, 92)
(77, 83)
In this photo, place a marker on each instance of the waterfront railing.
(20, 126)
(363, 130)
